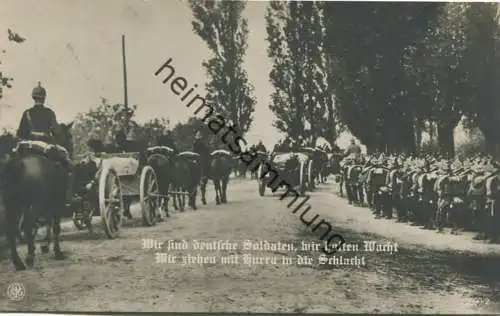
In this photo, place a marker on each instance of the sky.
(74, 49)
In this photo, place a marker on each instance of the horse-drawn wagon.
(116, 180)
(280, 169)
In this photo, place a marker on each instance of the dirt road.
(430, 272)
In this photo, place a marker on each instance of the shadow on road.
(431, 269)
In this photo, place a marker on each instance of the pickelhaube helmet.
(38, 92)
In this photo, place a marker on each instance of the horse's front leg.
(56, 224)
(182, 198)
(224, 190)
(48, 238)
(165, 197)
(192, 197)
(29, 225)
(174, 188)
(217, 191)
(12, 233)
(203, 189)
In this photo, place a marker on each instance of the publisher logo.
(16, 291)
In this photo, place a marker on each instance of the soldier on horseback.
(39, 123)
(167, 140)
(260, 147)
(354, 149)
(201, 148)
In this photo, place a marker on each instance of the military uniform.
(260, 147)
(39, 123)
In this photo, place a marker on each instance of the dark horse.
(187, 176)
(34, 186)
(221, 163)
(178, 174)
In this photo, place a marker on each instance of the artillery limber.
(285, 169)
(119, 180)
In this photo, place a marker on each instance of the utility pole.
(129, 130)
(124, 73)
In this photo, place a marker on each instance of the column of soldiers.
(430, 189)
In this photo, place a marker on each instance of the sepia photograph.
(212, 156)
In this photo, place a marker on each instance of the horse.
(178, 173)
(219, 171)
(35, 181)
(239, 167)
(186, 178)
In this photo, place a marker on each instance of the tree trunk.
(418, 135)
(432, 136)
(446, 140)
(408, 142)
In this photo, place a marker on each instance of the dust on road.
(426, 275)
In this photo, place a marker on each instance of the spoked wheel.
(302, 179)
(150, 196)
(110, 202)
(260, 181)
(310, 177)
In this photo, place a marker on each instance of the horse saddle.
(220, 152)
(53, 152)
(379, 171)
(190, 156)
(161, 150)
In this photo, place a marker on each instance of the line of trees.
(386, 72)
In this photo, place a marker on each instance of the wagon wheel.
(20, 229)
(310, 178)
(302, 178)
(260, 181)
(110, 202)
(149, 195)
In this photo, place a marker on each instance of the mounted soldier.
(354, 149)
(260, 147)
(168, 140)
(39, 123)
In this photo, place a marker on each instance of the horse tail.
(221, 166)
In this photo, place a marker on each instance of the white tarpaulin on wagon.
(322, 142)
(124, 166)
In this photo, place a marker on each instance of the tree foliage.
(102, 121)
(302, 72)
(375, 46)
(5, 81)
(221, 26)
(480, 62)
